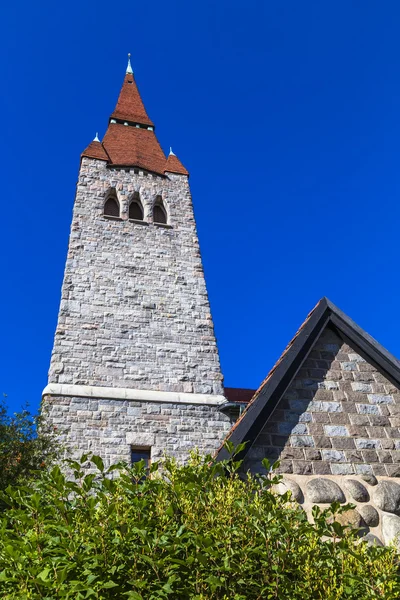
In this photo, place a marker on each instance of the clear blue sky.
(287, 115)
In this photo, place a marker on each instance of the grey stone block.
(333, 456)
(366, 444)
(321, 468)
(380, 399)
(363, 470)
(324, 491)
(357, 490)
(288, 485)
(386, 496)
(358, 386)
(342, 469)
(369, 478)
(391, 530)
(336, 430)
(302, 467)
(370, 515)
(342, 443)
(368, 409)
(302, 441)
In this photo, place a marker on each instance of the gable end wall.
(339, 416)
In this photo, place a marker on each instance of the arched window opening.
(135, 208)
(159, 213)
(135, 211)
(111, 208)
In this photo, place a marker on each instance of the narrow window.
(135, 210)
(111, 208)
(138, 454)
(159, 214)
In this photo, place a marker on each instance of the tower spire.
(129, 70)
(130, 139)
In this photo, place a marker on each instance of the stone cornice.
(111, 393)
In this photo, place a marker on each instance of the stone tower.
(135, 363)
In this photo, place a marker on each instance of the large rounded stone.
(391, 529)
(356, 490)
(324, 491)
(289, 485)
(371, 479)
(350, 518)
(370, 515)
(387, 496)
(372, 540)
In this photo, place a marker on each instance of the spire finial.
(96, 139)
(171, 152)
(129, 67)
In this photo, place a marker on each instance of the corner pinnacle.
(129, 67)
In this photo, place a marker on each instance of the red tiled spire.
(130, 105)
(174, 165)
(130, 140)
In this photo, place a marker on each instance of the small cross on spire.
(129, 67)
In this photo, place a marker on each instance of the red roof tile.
(174, 165)
(95, 150)
(239, 394)
(134, 146)
(130, 106)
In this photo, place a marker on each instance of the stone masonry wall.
(110, 427)
(339, 416)
(134, 311)
(375, 500)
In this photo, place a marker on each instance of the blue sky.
(287, 115)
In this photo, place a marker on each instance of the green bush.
(198, 532)
(27, 444)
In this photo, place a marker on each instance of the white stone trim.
(140, 439)
(111, 393)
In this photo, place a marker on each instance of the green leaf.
(43, 575)
(109, 584)
(98, 461)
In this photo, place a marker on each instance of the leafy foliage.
(26, 446)
(198, 532)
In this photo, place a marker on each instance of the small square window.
(138, 454)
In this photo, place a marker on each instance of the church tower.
(135, 365)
